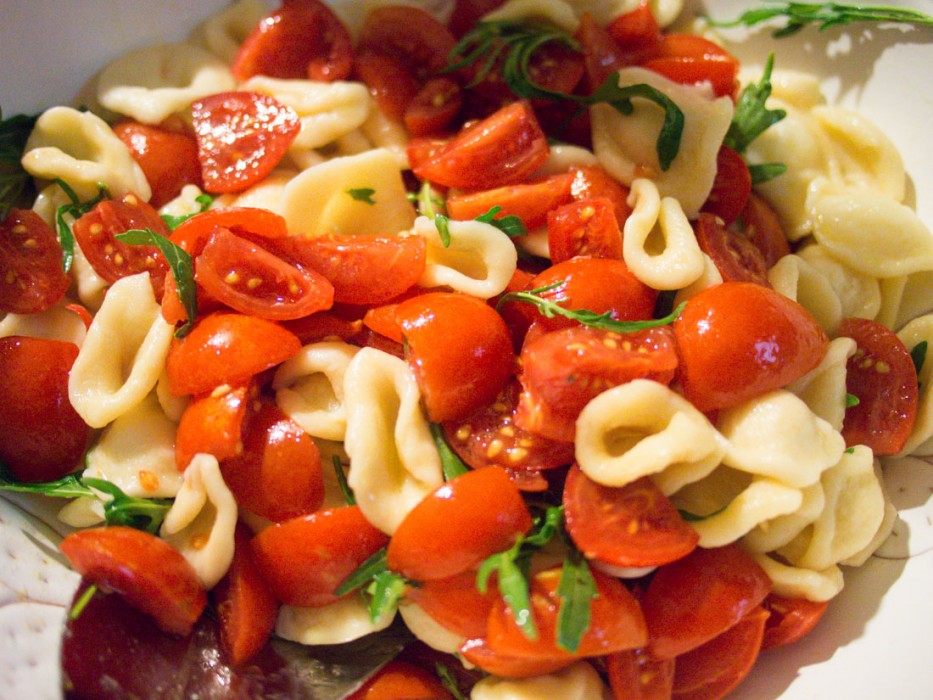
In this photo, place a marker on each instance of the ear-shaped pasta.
(223, 32)
(658, 243)
(797, 279)
(387, 134)
(823, 388)
(153, 83)
(55, 323)
(892, 291)
(710, 278)
(577, 682)
(859, 294)
(81, 149)
(604, 11)
(479, 261)
(797, 582)
(201, 521)
(394, 463)
(796, 88)
(337, 623)
(123, 354)
(309, 388)
(884, 531)
(137, 453)
(916, 298)
(556, 13)
(625, 145)
(643, 428)
(777, 532)
(185, 202)
(563, 156)
(429, 630)
(268, 193)
(333, 494)
(84, 511)
(319, 200)
(920, 330)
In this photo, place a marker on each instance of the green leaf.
(918, 354)
(510, 225)
(362, 194)
(67, 487)
(74, 210)
(797, 15)
(763, 172)
(576, 589)
(204, 201)
(442, 223)
(752, 117)
(81, 602)
(385, 591)
(451, 464)
(342, 482)
(16, 185)
(448, 680)
(852, 400)
(141, 513)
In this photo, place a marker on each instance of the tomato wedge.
(194, 233)
(408, 34)
(456, 603)
(213, 423)
(761, 225)
(585, 227)
(169, 158)
(790, 619)
(434, 108)
(529, 201)
(690, 59)
(736, 257)
(399, 680)
(31, 274)
(634, 675)
(478, 652)
(731, 186)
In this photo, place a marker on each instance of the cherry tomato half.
(31, 275)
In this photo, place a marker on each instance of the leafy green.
(510, 225)
(362, 194)
(75, 209)
(342, 482)
(918, 355)
(448, 680)
(852, 400)
(576, 589)
(383, 588)
(451, 464)
(752, 117)
(204, 201)
(762, 172)
(15, 182)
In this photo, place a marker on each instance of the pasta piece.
(173, 406)
(84, 511)
(859, 294)
(709, 278)
(797, 582)
(185, 202)
(155, 82)
(798, 89)
(625, 145)
(643, 428)
(137, 453)
(892, 291)
(535, 243)
(823, 388)
(394, 463)
(577, 682)
(123, 354)
(604, 11)
(888, 521)
(81, 149)
(919, 442)
(309, 388)
(319, 200)
(387, 134)
(201, 521)
(330, 450)
(55, 323)
(223, 32)
(777, 435)
(777, 532)
(479, 259)
(268, 193)
(556, 13)
(337, 623)
(428, 630)
(658, 243)
(797, 279)
(563, 156)
(916, 298)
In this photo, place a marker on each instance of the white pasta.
(796, 582)
(859, 294)
(625, 145)
(604, 11)
(309, 388)
(709, 278)
(388, 135)
(394, 463)
(823, 388)
(224, 32)
(916, 298)
(556, 13)
(797, 279)
(577, 682)
(658, 243)
(777, 532)
(563, 156)
(201, 522)
(428, 630)
(918, 331)
(479, 260)
(123, 354)
(155, 82)
(337, 623)
(269, 193)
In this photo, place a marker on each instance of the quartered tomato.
(882, 376)
(593, 181)
(585, 227)
(455, 603)
(400, 680)
(504, 665)
(636, 28)
(691, 59)
(241, 137)
(169, 158)
(529, 201)
(736, 257)
(389, 81)
(629, 526)
(634, 675)
(147, 571)
(194, 233)
(731, 186)
(31, 274)
(212, 423)
(790, 619)
(302, 39)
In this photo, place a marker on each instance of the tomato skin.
(593, 181)
(212, 423)
(689, 59)
(731, 186)
(633, 675)
(389, 81)
(790, 619)
(630, 526)
(529, 201)
(637, 28)
(434, 108)
(226, 348)
(764, 339)
(169, 159)
(241, 137)
(736, 257)
(408, 34)
(460, 350)
(456, 603)
(585, 227)
(147, 571)
(400, 680)
(31, 274)
(305, 559)
(483, 513)
(761, 225)
(195, 232)
(882, 375)
(694, 599)
(42, 438)
(478, 652)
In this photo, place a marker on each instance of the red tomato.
(735, 256)
(435, 107)
(408, 34)
(42, 438)
(637, 28)
(460, 350)
(694, 599)
(389, 80)
(502, 149)
(478, 653)
(633, 675)
(212, 423)
(714, 669)
(881, 374)
(603, 55)
(302, 39)
(739, 340)
(112, 259)
(593, 181)
(277, 474)
(194, 233)
(629, 526)
(529, 201)
(689, 59)
(148, 572)
(305, 559)
(323, 325)
(250, 279)
(245, 605)
(563, 370)
(731, 187)
(466, 13)
(790, 619)
(400, 680)
(168, 158)
(483, 513)
(226, 348)
(456, 603)
(761, 225)
(585, 227)
(31, 275)
(241, 137)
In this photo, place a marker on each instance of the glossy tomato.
(389, 80)
(761, 225)
(456, 603)
(212, 423)
(591, 181)
(194, 232)
(529, 201)
(731, 186)
(735, 256)
(634, 675)
(31, 275)
(168, 158)
(691, 59)
(408, 34)
(585, 227)
(400, 680)
(790, 619)
(435, 107)
(739, 340)
(478, 652)
(636, 28)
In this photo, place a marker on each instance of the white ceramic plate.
(874, 640)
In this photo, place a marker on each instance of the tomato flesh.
(168, 158)
(31, 274)
(790, 619)
(212, 424)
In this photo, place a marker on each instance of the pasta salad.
(545, 334)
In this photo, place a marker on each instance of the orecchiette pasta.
(223, 32)
(777, 532)
(823, 388)
(341, 621)
(918, 331)
(428, 630)
(577, 682)
(859, 295)
(554, 12)
(797, 279)
(55, 323)
(797, 582)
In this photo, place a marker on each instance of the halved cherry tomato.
(694, 599)
(761, 225)
(483, 513)
(731, 186)
(305, 559)
(241, 137)
(147, 571)
(564, 369)
(460, 350)
(42, 438)
(739, 340)
(713, 670)
(389, 80)
(629, 526)
(603, 55)
(226, 348)
(322, 326)
(690, 59)
(302, 39)
(112, 259)
(637, 28)
(212, 423)
(529, 201)
(881, 374)
(31, 275)
(168, 158)
(400, 680)
(246, 608)
(250, 279)
(194, 233)
(585, 227)
(277, 474)
(593, 181)
(790, 619)
(435, 107)
(456, 603)
(502, 149)
(634, 675)
(408, 34)
(478, 652)
(736, 258)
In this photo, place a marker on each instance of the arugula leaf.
(362, 194)
(16, 184)
(75, 209)
(762, 172)
(442, 223)
(451, 464)
(204, 201)
(383, 587)
(448, 680)
(510, 225)
(576, 589)
(918, 355)
(852, 400)
(342, 482)
(751, 116)
(69, 486)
